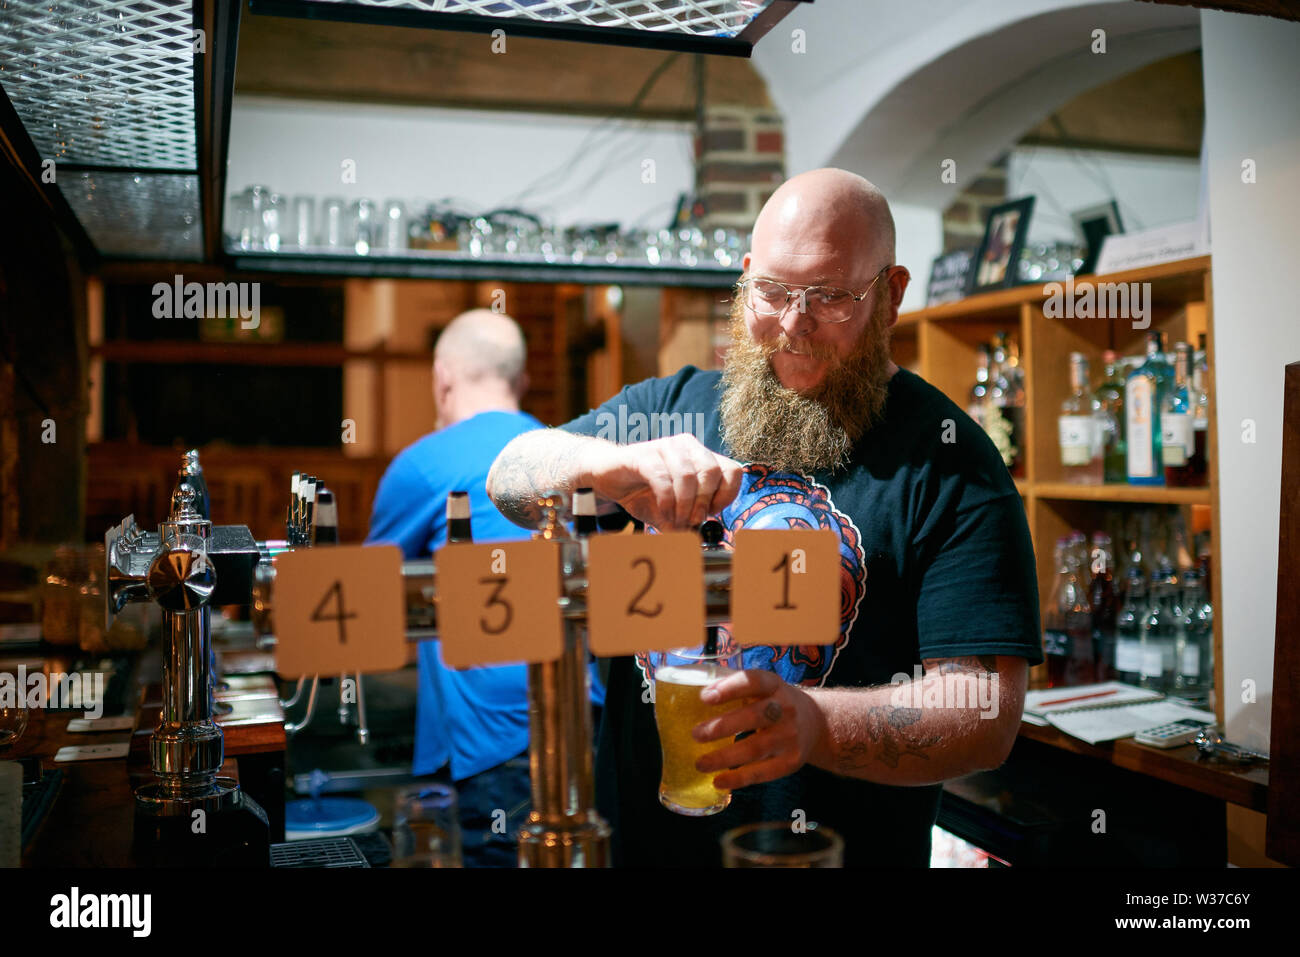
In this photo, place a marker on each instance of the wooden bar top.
(1244, 785)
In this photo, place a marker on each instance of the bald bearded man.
(811, 424)
(473, 724)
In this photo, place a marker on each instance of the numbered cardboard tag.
(645, 593)
(339, 610)
(499, 603)
(785, 587)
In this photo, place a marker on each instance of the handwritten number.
(335, 591)
(784, 564)
(632, 607)
(496, 599)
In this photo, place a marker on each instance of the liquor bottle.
(458, 518)
(1105, 606)
(1196, 662)
(291, 516)
(1158, 639)
(1108, 402)
(1077, 551)
(1128, 632)
(1005, 415)
(979, 392)
(325, 531)
(1144, 393)
(1079, 430)
(1176, 424)
(1200, 461)
(1067, 632)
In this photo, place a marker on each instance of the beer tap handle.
(459, 528)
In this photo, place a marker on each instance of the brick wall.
(741, 158)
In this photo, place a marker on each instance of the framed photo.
(1004, 237)
(1093, 225)
(949, 277)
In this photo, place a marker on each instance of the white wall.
(1151, 190)
(483, 159)
(1252, 70)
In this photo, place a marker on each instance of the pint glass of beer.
(679, 678)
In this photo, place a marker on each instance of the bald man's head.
(481, 345)
(826, 209)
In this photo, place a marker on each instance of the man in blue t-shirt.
(475, 721)
(811, 425)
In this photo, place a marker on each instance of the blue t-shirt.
(476, 718)
(936, 562)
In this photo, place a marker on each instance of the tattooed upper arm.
(974, 664)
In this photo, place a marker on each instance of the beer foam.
(696, 674)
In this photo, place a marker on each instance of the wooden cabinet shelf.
(941, 343)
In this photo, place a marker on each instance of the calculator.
(1171, 735)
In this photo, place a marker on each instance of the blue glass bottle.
(1144, 394)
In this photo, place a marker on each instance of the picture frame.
(1092, 225)
(1005, 230)
(949, 277)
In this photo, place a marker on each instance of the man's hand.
(789, 729)
(670, 483)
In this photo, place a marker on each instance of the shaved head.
(828, 209)
(482, 344)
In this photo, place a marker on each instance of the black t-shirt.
(936, 563)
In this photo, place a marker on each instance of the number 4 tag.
(339, 609)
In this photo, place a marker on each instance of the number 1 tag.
(785, 587)
(644, 593)
(499, 603)
(339, 610)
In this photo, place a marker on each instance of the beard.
(763, 421)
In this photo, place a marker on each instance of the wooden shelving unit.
(941, 342)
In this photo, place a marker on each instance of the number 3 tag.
(644, 593)
(339, 610)
(785, 587)
(499, 603)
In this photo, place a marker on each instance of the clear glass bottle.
(1105, 606)
(1200, 461)
(1195, 673)
(1067, 629)
(1144, 394)
(1005, 416)
(979, 392)
(1078, 428)
(1108, 404)
(1177, 442)
(1128, 631)
(1158, 639)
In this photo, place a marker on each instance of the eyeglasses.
(767, 297)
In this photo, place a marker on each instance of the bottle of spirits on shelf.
(1108, 402)
(1078, 429)
(1177, 432)
(1005, 415)
(1105, 606)
(979, 392)
(1128, 632)
(1200, 401)
(1067, 631)
(1195, 652)
(1144, 394)
(1158, 639)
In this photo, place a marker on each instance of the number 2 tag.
(785, 587)
(499, 603)
(339, 610)
(644, 593)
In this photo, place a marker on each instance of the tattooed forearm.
(892, 736)
(530, 466)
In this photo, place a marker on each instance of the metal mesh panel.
(321, 852)
(102, 83)
(144, 215)
(713, 18)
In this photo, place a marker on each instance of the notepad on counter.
(1106, 711)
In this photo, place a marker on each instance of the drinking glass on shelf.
(274, 221)
(332, 216)
(778, 844)
(363, 226)
(302, 223)
(392, 228)
(13, 713)
(426, 827)
(240, 225)
(679, 678)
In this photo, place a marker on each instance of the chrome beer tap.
(186, 567)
